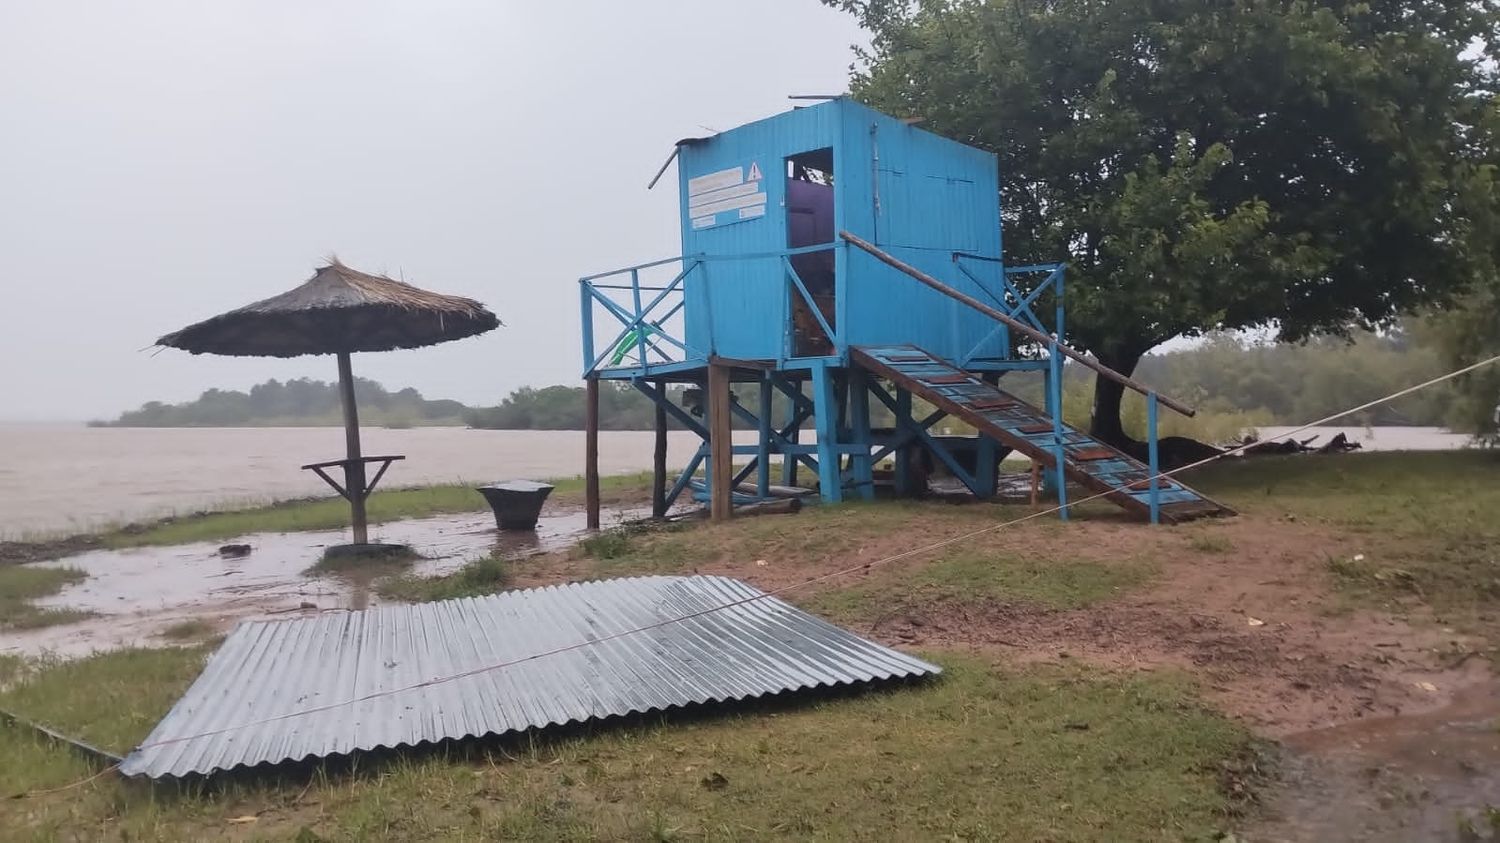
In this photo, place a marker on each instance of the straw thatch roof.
(338, 310)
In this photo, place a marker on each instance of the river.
(56, 478)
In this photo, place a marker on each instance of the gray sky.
(161, 162)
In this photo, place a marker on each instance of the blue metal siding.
(920, 197)
(917, 195)
(738, 308)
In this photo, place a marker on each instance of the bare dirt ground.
(1387, 721)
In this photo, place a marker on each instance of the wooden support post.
(825, 414)
(591, 453)
(763, 439)
(861, 465)
(904, 485)
(789, 462)
(987, 453)
(354, 468)
(659, 463)
(720, 444)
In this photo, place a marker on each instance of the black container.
(517, 503)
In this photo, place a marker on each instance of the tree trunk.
(1104, 423)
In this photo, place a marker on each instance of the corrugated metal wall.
(917, 195)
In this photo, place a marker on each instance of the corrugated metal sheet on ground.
(271, 669)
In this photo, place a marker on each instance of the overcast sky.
(163, 161)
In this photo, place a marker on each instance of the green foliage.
(1238, 385)
(1466, 335)
(1206, 165)
(301, 401)
(621, 407)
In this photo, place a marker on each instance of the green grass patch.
(372, 561)
(983, 577)
(11, 668)
(1420, 525)
(983, 753)
(479, 577)
(21, 584)
(333, 513)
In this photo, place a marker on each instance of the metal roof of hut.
(338, 310)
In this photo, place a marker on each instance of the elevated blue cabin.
(790, 183)
(770, 286)
(766, 279)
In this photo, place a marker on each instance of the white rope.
(928, 548)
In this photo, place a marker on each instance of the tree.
(1467, 335)
(1213, 164)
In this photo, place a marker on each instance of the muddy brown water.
(138, 593)
(60, 478)
(1412, 776)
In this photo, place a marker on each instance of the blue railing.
(643, 330)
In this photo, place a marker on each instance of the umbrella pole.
(354, 468)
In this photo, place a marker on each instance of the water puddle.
(140, 592)
(1408, 777)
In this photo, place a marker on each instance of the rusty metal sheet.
(399, 676)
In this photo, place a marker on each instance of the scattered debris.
(1254, 621)
(234, 551)
(1339, 444)
(714, 781)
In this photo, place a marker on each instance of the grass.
(479, 577)
(21, 584)
(333, 513)
(982, 577)
(984, 753)
(11, 668)
(1420, 526)
(376, 561)
(1205, 542)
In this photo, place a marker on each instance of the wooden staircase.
(1030, 431)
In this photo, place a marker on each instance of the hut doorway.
(809, 222)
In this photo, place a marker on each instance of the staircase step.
(1028, 430)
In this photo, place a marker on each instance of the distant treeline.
(295, 402)
(1235, 385)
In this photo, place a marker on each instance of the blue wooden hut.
(837, 256)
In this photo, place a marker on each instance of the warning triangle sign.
(754, 172)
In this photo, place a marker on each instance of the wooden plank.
(354, 466)
(1088, 454)
(1034, 428)
(659, 465)
(945, 380)
(720, 444)
(991, 403)
(591, 453)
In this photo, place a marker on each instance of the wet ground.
(138, 593)
(1432, 775)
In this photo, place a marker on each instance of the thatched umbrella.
(339, 311)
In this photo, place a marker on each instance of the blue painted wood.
(1031, 431)
(829, 488)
